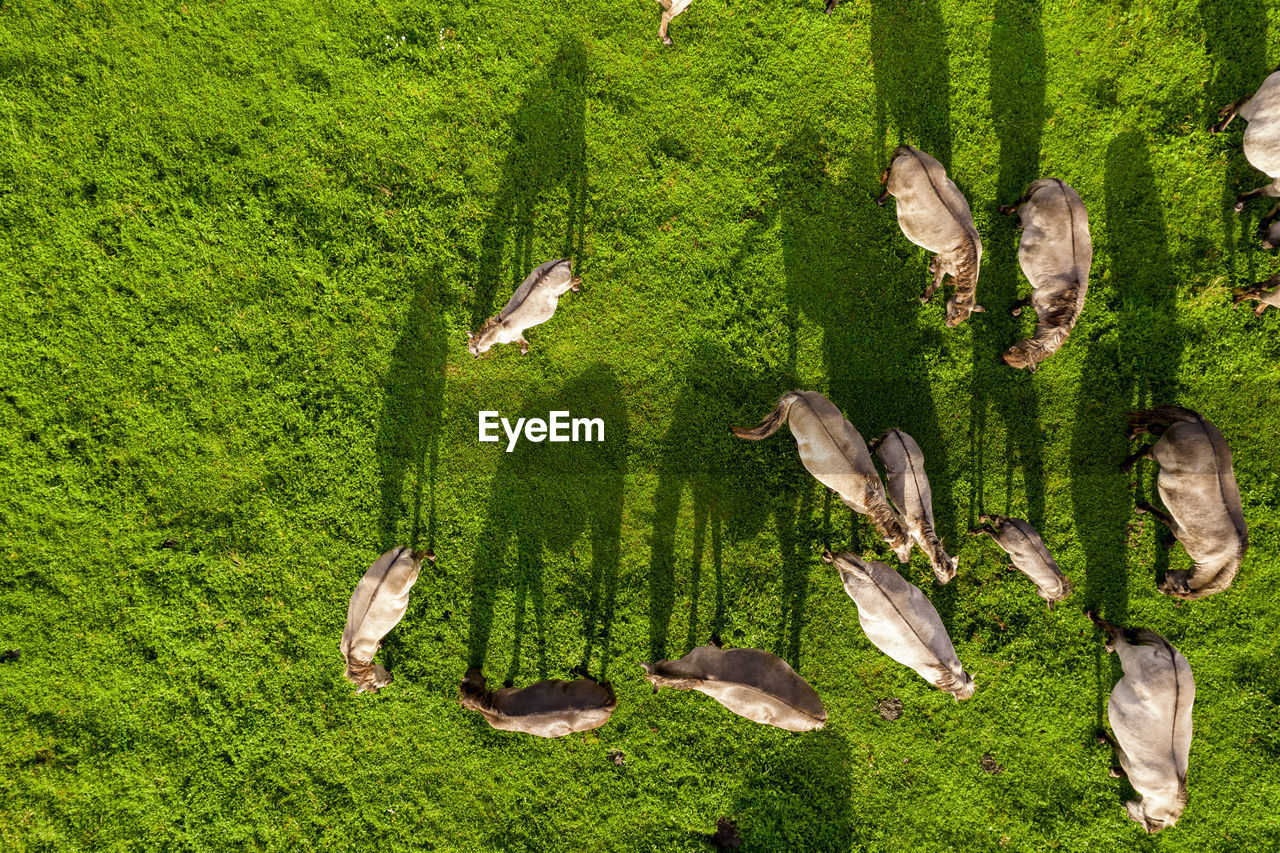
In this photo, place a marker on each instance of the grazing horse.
(377, 606)
(749, 682)
(934, 214)
(1029, 555)
(1055, 254)
(1198, 487)
(534, 302)
(551, 708)
(902, 623)
(1150, 712)
(1261, 139)
(835, 454)
(909, 490)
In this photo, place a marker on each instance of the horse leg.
(884, 179)
(1227, 113)
(1127, 465)
(1145, 508)
(938, 275)
(1245, 196)
(1112, 632)
(1104, 738)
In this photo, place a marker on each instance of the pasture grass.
(241, 244)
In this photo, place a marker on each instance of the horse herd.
(1150, 707)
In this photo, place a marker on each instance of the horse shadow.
(910, 65)
(544, 497)
(1132, 364)
(1235, 37)
(545, 168)
(408, 442)
(732, 488)
(1016, 90)
(797, 795)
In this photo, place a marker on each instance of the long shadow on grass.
(545, 168)
(1131, 365)
(842, 275)
(544, 496)
(1018, 112)
(730, 484)
(409, 429)
(910, 63)
(1235, 36)
(798, 795)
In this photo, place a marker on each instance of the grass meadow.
(240, 244)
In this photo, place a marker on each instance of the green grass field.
(240, 244)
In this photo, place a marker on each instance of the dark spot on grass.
(889, 709)
(726, 836)
(670, 147)
(1103, 92)
(315, 79)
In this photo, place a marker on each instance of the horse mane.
(937, 551)
(674, 683)
(1062, 308)
(489, 325)
(947, 681)
(1052, 328)
(883, 517)
(965, 277)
